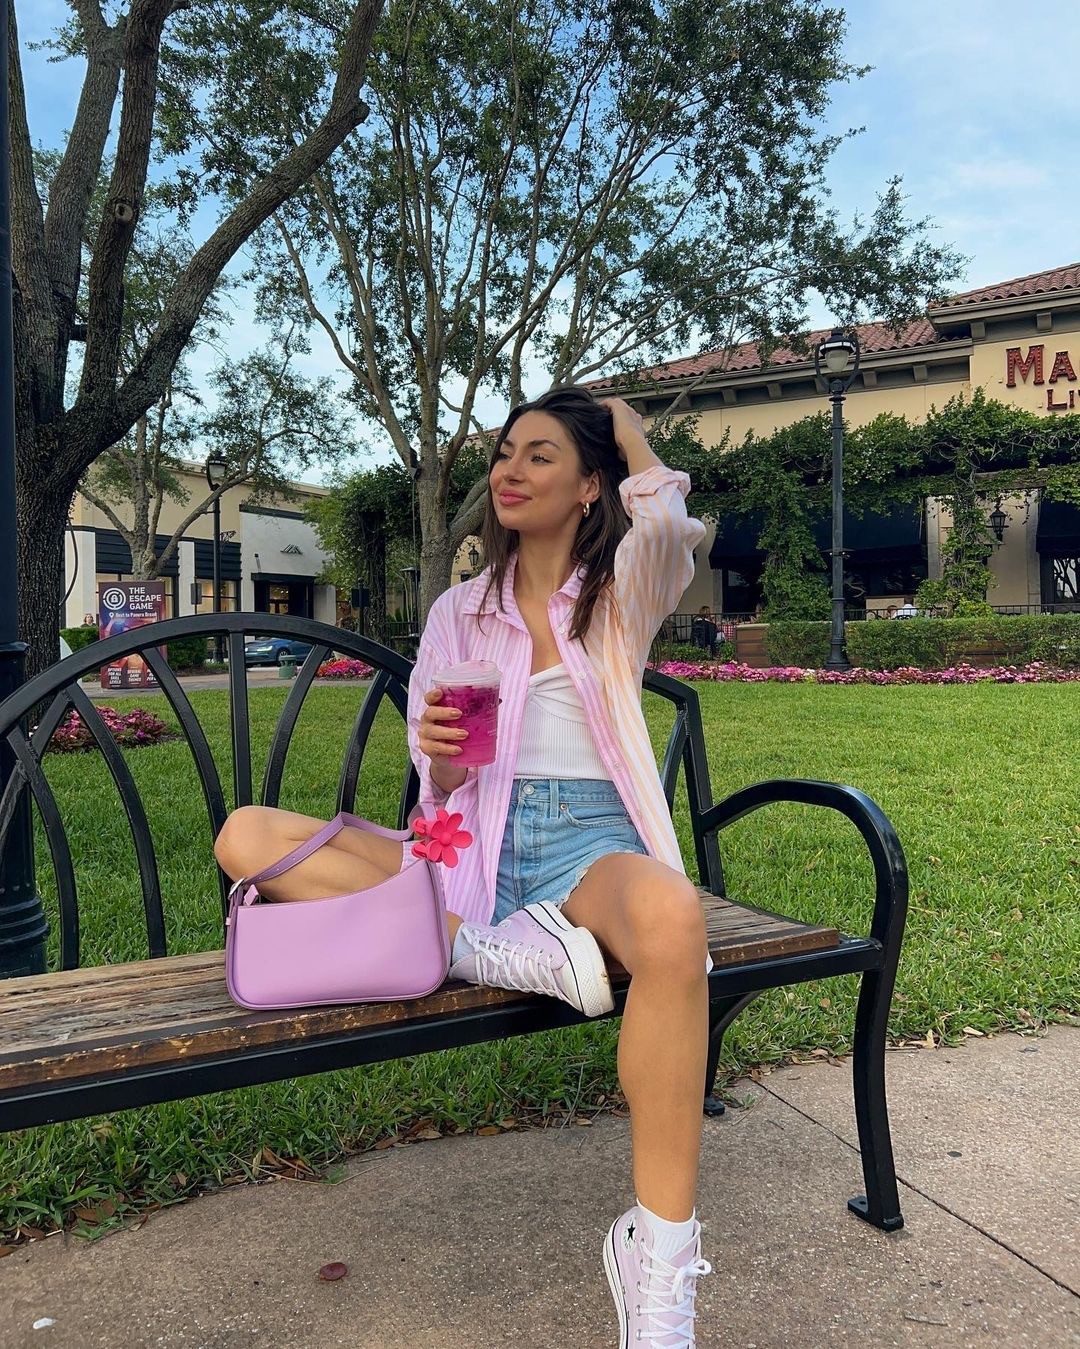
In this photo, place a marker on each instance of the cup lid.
(481, 673)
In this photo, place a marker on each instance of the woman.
(576, 856)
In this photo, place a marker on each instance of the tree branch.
(77, 174)
(346, 111)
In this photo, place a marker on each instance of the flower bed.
(1034, 673)
(133, 730)
(345, 667)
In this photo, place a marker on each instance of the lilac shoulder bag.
(376, 945)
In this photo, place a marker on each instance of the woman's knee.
(668, 927)
(247, 834)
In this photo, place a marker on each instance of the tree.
(365, 514)
(593, 186)
(356, 523)
(268, 426)
(57, 438)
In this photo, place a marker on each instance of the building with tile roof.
(1018, 340)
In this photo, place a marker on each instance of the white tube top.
(556, 741)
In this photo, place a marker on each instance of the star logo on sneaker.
(628, 1236)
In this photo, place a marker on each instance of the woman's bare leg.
(254, 837)
(649, 918)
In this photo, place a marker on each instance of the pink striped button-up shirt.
(653, 566)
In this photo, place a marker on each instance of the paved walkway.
(493, 1243)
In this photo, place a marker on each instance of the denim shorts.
(556, 828)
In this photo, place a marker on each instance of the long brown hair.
(591, 432)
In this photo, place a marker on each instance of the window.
(230, 596)
(1066, 580)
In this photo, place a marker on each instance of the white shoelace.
(676, 1286)
(519, 965)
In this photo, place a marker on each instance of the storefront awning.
(897, 536)
(1058, 534)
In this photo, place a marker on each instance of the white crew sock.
(463, 945)
(667, 1237)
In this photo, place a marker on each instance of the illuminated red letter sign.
(1062, 368)
(1013, 363)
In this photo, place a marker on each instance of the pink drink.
(473, 688)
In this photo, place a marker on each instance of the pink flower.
(445, 837)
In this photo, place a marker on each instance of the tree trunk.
(374, 552)
(42, 520)
(437, 549)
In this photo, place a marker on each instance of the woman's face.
(537, 486)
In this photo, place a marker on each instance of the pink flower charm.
(444, 837)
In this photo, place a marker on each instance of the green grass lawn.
(982, 783)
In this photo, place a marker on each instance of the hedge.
(79, 637)
(933, 643)
(794, 642)
(186, 653)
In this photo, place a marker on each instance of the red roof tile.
(872, 337)
(1038, 283)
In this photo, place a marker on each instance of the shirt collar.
(476, 603)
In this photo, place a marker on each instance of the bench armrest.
(890, 865)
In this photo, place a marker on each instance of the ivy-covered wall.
(966, 456)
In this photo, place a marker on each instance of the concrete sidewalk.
(258, 676)
(493, 1243)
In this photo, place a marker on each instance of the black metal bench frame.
(731, 987)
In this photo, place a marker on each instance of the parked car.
(269, 650)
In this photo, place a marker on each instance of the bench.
(79, 1041)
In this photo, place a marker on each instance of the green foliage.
(793, 643)
(79, 637)
(938, 643)
(187, 653)
(693, 654)
(966, 455)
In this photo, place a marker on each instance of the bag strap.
(321, 837)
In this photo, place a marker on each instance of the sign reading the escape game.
(125, 605)
(1034, 365)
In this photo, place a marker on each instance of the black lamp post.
(216, 468)
(839, 354)
(23, 928)
(999, 522)
(474, 557)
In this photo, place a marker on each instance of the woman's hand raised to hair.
(629, 435)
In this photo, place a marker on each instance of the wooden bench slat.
(89, 1022)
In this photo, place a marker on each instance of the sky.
(972, 104)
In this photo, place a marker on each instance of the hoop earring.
(585, 510)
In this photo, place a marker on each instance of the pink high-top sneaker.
(654, 1296)
(537, 950)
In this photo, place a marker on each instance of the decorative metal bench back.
(58, 690)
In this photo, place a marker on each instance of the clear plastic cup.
(473, 688)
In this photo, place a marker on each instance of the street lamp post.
(839, 354)
(23, 928)
(216, 468)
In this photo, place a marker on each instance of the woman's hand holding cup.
(438, 733)
(440, 739)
